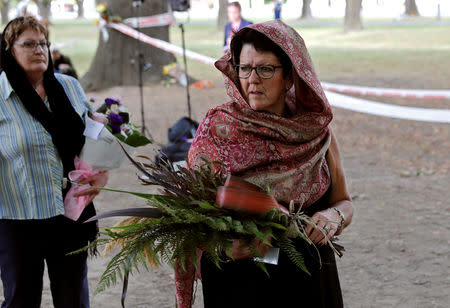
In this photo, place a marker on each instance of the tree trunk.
(44, 7)
(306, 9)
(222, 17)
(116, 60)
(411, 8)
(352, 21)
(80, 4)
(4, 11)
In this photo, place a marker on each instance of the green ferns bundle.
(185, 218)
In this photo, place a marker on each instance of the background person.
(277, 6)
(236, 22)
(41, 132)
(63, 64)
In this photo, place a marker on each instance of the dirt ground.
(398, 245)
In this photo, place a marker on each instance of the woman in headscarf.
(41, 132)
(275, 131)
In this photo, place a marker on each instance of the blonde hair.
(19, 25)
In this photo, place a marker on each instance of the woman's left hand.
(98, 180)
(327, 223)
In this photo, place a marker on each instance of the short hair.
(19, 25)
(261, 43)
(235, 4)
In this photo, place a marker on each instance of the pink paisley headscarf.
(286, 153)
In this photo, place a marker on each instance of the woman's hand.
(240, 251)
(98, 180)
(327, 223)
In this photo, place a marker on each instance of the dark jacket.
(65, 60)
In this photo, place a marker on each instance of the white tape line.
(348, 89)
(337, 100)
(161, 44)
(159, 20)
(386, 110)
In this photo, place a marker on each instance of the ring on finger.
(327, 229)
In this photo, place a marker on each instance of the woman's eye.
(28, 44)
(245, 68)
(265, 69)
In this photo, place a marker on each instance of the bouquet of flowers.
(107, 131)
(198, 210)
(118, 122)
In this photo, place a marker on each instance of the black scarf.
(62, 122)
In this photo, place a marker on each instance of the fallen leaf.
(406, 174)
(419, 282)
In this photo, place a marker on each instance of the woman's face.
(263, 94)
(234, 14)
(33, 59)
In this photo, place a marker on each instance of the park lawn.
(416, 56)
(80, 39)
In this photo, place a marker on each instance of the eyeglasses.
(31, 45)
(263, 71)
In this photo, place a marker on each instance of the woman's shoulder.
(68, 81)
(75, 92)
(65, 78)
(219, 112)
(5, 86)
(215, 123)
(70, 84)
(208, 122)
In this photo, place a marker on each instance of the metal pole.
(188, 95)
(137, 4)
(140, 56)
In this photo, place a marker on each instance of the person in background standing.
(236, 23)
(277, 8)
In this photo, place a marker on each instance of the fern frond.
(287, 246)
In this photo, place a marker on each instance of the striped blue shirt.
(31, 171)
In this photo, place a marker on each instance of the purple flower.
(111, 101)
(115, 121)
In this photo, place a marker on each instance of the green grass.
(411, 53)
(80, 39)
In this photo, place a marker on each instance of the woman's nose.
(39, 49)
(254, 78)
